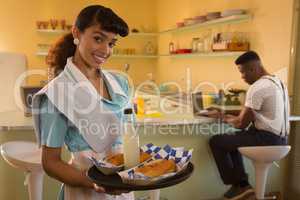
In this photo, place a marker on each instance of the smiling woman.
(62, 106)
(92, 24)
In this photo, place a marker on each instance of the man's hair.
(247, 57)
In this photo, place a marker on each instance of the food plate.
(115, 182)
(108, 168)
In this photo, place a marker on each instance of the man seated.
(263, 121)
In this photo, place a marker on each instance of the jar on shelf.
(149, 48)
(200, 46)
(207, 44)
(171, 48)
(116, 51)
(195, 45)
(207, 41)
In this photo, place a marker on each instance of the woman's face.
(95, 45)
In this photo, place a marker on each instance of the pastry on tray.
(114, 163)
(157, 168)
(167, 162)
(118, 159)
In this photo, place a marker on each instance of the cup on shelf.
(39, 24)
(63, 24)
(53, 23)
(45, 24)
(116, 51)
(179, 24)
(69, 27)
(131, 51)
(213, 15)
(200, 19)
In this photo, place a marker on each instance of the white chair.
(26, 156)
(262, 158)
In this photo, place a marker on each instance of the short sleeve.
(255, 97)
(53, 125)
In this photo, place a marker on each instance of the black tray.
(115, 181)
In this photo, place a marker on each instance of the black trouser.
(229, 160)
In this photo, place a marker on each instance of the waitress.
(82, 106)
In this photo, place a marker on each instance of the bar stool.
(26, 156)
(262, 158)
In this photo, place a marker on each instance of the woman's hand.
(58, 169)
(98, 189)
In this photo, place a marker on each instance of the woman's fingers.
(99, 188)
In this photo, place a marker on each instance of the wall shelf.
(188, 55)
(210, 54)
(140, 34)
(114, 56)
(224, 20)
(60, 31)
(41, 53)
(134, 56)
(51, 31)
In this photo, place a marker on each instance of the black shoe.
(237, 192)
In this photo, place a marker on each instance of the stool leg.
(35, 185)
(261, 173)
(154, 194)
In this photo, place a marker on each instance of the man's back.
(268, 98)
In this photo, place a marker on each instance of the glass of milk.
(130, 137)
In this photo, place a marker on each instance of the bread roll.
(157, 168)
(118, 159)
(144, 156)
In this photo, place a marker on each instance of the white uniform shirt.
(270, 104)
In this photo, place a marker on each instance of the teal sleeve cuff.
(53, 125)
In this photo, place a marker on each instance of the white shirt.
(268, 98)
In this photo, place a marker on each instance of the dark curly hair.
(89, 16)
(247, 57)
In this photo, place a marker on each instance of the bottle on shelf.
(195, 44)
(207, 41)
(200, 46)
(171, 48)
